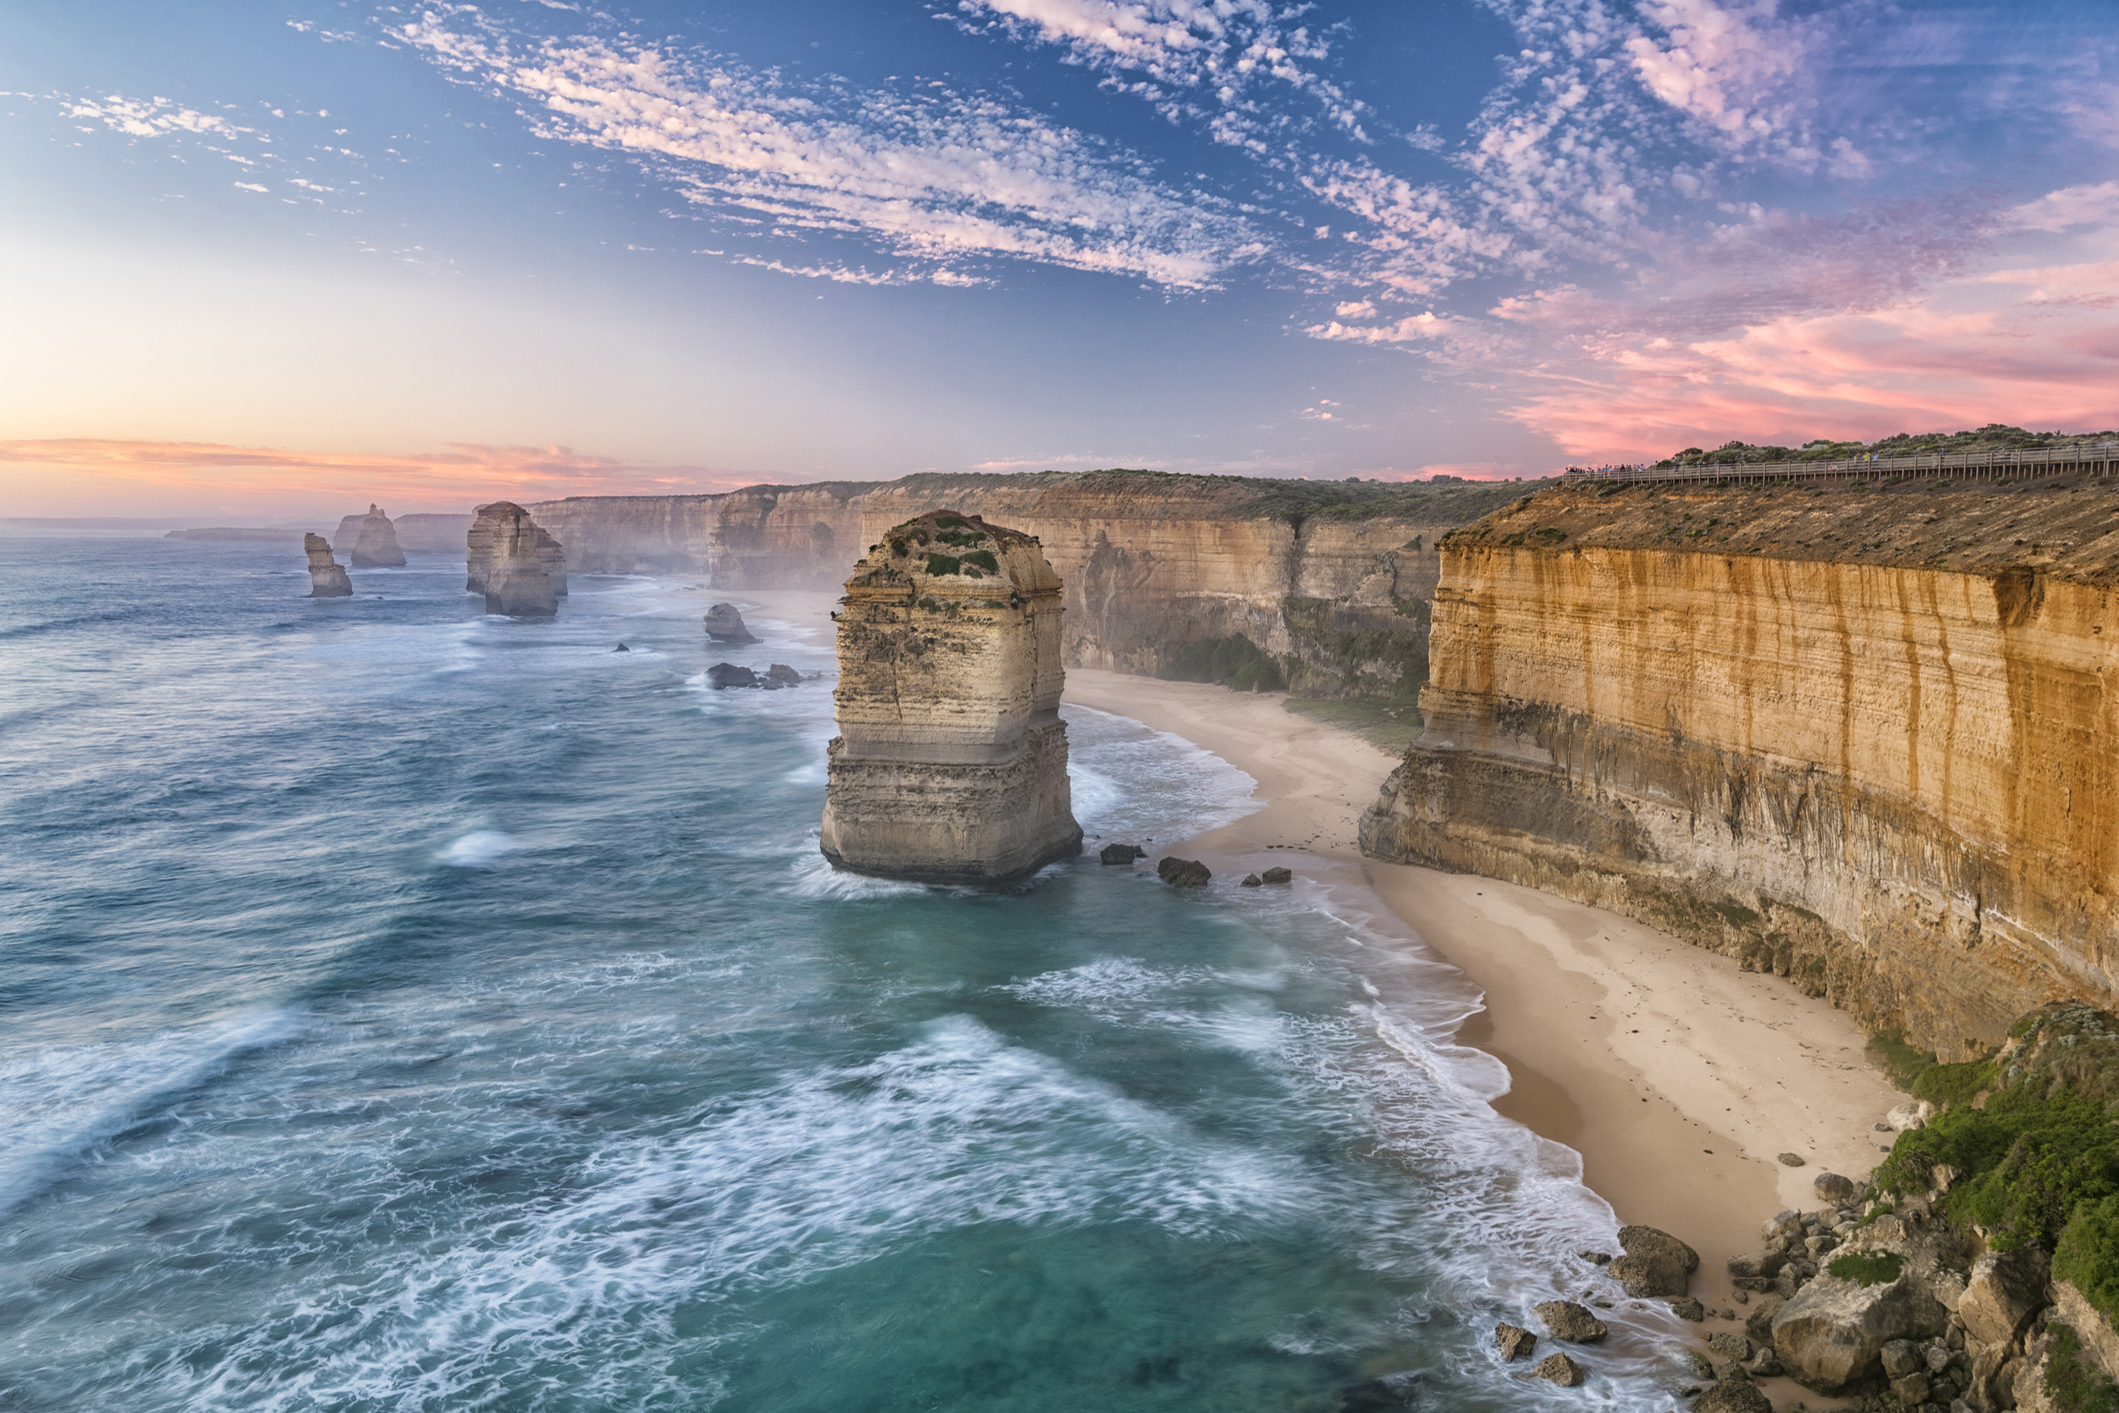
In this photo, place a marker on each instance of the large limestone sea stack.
(377, 547)
(520, 569)
(327, 577)
(951, 762)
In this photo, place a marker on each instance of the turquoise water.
(402, 1009)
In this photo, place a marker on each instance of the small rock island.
(951, 760)
(519, 567)
(327, 577)
(377, 547)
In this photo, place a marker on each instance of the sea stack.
(518, 567)
(725, 625)
(327, 577)
(951, 761)
(377, 546)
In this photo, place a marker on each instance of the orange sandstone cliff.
(1864, 738)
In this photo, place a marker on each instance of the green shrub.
(2024, 1162)
(949, 522)
(984, 559)
(1866, 1267)
(1901, 1062)
(2076, 1384)
(1955, 1084)
(1234, 661)
(943, 564)
(2088, 1254)
(960, 537)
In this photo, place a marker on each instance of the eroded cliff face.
(951, 761)
(511, 559)
(1150, 562)
(1862, 740)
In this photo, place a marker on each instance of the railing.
(1978, 465)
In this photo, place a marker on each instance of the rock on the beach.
(1834, 1331)
(1277, 875)
(1183, 873)
(1565, 1320)
(1250, 880)
(1697, 1364)
(1655, 1263)
(1560, 1369)
(1914, 1113)
(723, 675)
(1792, 1160)
(327, 577)
(1837, 1190)
(780, 675)
(1763, 1263)
(1687, 1308)
(1733, 1396)
(1595, 1258)
(2006, 1289)
(1760, 1325)
(1730, 1345)
(1515, 1342)
(1122, 853)
(725, 625)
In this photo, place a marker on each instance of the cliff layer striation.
(951, 760)
(1860, 738)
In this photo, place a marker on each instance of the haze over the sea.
(283, 261)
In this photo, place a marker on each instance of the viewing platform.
(2088, 458)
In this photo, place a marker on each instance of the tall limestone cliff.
(327, 577)
(1864, 738)
(519, 568)
(1329, 578)
(376, 547)
(951, 760)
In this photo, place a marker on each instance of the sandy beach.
(1677, 1077)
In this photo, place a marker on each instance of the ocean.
(402, 1009)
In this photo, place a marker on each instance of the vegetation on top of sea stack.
(1995, 436)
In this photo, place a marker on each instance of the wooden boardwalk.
(2092, 459)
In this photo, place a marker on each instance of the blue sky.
(274, 254)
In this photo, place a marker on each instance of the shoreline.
(1675, 1076)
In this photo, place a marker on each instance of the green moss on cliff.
(2073, 1382)
(1234, 661)
(1390, 724)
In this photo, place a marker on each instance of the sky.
(266, 259)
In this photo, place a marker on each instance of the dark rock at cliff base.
(2006, 1289)
(1183, 873)
(725, 625)
(1122, 853)
(1515, 1342)
(1559, 1369)
(1595, 1258)
(377, 546)
(327, 577)
(1571, 1322)
(1278, 875)
(1686, 1308)
(1250, 880)
(1733, 1396)
(780, 675)
(1729, 1344)
(726, 674)
(1760, 1325)
(1834, 1331)
(1655, 1263)
(1837, 1190)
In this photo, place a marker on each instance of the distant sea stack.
(376, 548)
(518, 567)
(327, 577)
(951, 761)
(725, 625)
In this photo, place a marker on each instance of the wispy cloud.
(941, 178)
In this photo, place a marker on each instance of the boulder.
(1791, 1160)
(1122, 853)
(1697, 1365)
(1595, 1258)
(1764, 1263)
(1760, 1325)
(1277, 875)
(327, 577)
(1565, 1320)
(1902, 1357)
(1250, 880)
(2005, 1291)
(1729, 1345)
(1656, 1263)
(1837, 1190)
(1911, 1390)
(780, 675)
(1912, 1114)
(1733, 1396)
(1686, 1308)
(1559, 1369)
(621, 648)
(1515, 1342)
(723, 675)
(1183, 873)
(725, 625)
(1834, 1331)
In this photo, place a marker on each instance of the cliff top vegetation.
(2053, 524)
(1995, 436)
